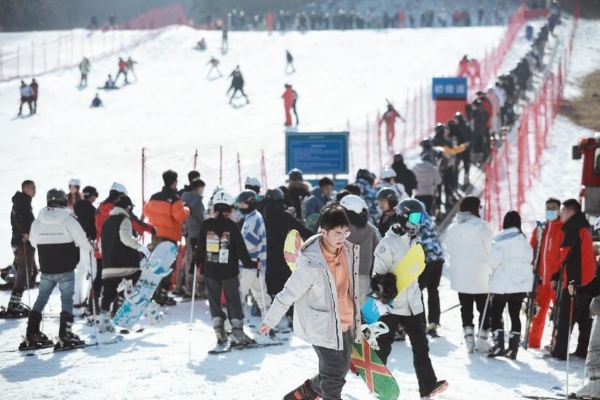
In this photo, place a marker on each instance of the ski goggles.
(416, 218)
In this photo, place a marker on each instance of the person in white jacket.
(511, 279)
(58, 236)
(26, 97)
(468, 244)
(325, 292)
(407, 307)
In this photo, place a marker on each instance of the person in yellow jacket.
(166, 212)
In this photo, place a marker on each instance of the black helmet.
(295, 175)
(275, 194)
(426, 143)
(247, 196)
(398, 158)
(366, 175)
(56, 198)
(459, 117)
(89, 191)
(409, 223)
(439, 128)
(124, 202)
(389, 194)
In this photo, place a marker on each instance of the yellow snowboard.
(291, 248)
(409, 268)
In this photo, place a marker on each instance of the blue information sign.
(317, 153)
(449, 88)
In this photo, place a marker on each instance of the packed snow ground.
(172, 111)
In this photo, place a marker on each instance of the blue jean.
(66, 285)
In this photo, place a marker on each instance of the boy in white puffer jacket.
(511, 279)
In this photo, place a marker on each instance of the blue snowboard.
(139, 298)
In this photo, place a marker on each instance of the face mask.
(246, 211)
(551, 215)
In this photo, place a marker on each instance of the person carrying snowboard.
(325, 293)
(407, 307)
(289, 63)
(214, 64)
(288, 102)
(122, 70)
(84, 69)
(237, 84)
(26, 97)
(58, 237)
(389, 117)
(220, 248)
(120, 257)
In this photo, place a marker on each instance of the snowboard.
(366, 363)
(409, 268)
(291, 248)
(139, 298)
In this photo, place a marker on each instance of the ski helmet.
(366, 175)
(56, 198)
(411, 214)
(222, 197)
(247, 196)
(388, 173)
(399, 158)
(275, 194)
(597, 224)
(389, 194)
(426, 143)
(440, 128)
(125, 203)
(354, 203)
(459, 117)
(295, 175)
(118, 187)
(89, 191)
(75, 182)
(253, 181)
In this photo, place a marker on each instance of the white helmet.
(387, 173)
(118, 187)
(253, 181)
(222, 197)
(354, 203)
(597, 224)
(75, 182)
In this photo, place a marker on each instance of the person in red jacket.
(548, 265)
(463, 67)
(487, 106)
(122, 70)
(166, 212)
(389, 117)
(578, 268)
(288, 102)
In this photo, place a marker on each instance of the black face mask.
(246, 211)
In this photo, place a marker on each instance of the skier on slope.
(220, 248)
(56, 234)
(294, 106)
(510, 261)
(85, 212)
(122, 70)
(237, 84)
(214, 64)
(592, 363)
(288, 102)
(548, 265)
(21, 218)
(26, 97)
(120, 258)
(84, 68)
(289, 62)
(326, 261)
(407, 307)
(130, 67)
(34, 96)
(468, 243)
(389, 117)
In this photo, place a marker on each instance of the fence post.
(195, 159)
(143, 176)
(263, 168)
(405, 139)
(368, 145)
(32, 59)
(221, 166)
(45, 63)
(379, 139)
(350, 147)
(239, 168)
(18, 59)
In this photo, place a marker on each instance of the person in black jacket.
(404, 175)
(297, 191)
(120, 257)
(21, 218)
(464, 135)
(220, 246)
(86, 215)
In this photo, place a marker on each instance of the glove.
(144, 250)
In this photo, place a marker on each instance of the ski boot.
(469, 339)
(302, 392)
(162, 298)
(513, 345)
(106, 324)
(255, 310)
(34, 339)
(67, 340)
(440, 386)
(15, 308)
(237, 336)
(498, 349)
(482, 345)
(592, 388)
(431, 330)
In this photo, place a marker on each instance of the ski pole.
(484, 316)
(262, 293)
(193, 296)
(571, 305)
(93, 296)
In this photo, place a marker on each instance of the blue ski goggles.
(416, 218)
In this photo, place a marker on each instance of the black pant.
(109, 289)
(499, 302)
(124, 72)
(231, 287)
(430, 280)
(466, 309)
(96, 288)
(295, 112)
(235, 90)
(24, 264)
(580, 316)
(427, 200)
(413, 326)
(333, 368)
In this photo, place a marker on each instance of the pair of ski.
(45, 350)
(559, 394)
